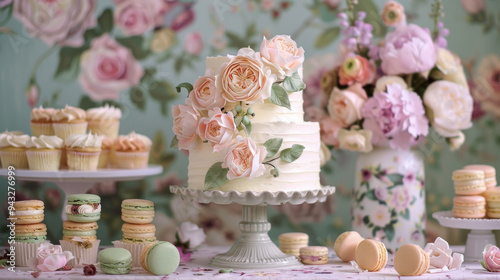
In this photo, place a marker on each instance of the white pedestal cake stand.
(480, 235)
(72, 182)
(254, 249)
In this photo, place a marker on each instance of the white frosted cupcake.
(104, 120)
(83, 150)
(70, 120)
(41, 121)
(13, 151)
(44, 152)
(132, 151)
(5, 133)
(105, 156)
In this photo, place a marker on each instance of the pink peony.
(56, 22)
(218, 129)
(186, 119)
(107, 68)
(136, 17)
(50, 257)
(244, 159)
(356, 69)
(397, 115)
(408, 49)
(193, 43)
(345, 105)
(329, 129)
(205, 95)
(282, 55)
(491, 255)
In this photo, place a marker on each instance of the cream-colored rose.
(281, 55)
(447, 62)
(205, 95)
(355, 140)
(345, 105)
(245, 78)
(449, 107)
(458, 77)
(244, 159)
(456, 142)
(324, 154)
(383, 82)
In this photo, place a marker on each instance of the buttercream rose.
(56, 22)
(189, 232)
(345, 105)
(244, 78)
(136, 17)
(205, 95)
(50, 257)
(282, 55)
(218, 129)
(491, 255)
(356, 69)
(107, 68)
(244, 159)
(186, 119)
(408, 49)
(449, 107)
(355, 140)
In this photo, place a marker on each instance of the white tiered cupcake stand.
(72, 182)
(254, 249)
(480, 235)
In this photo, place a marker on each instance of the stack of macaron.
(30, 232)
(291, 242)
(470, 184)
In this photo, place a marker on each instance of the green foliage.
(326, 37)
(273, 145)
(138, 98)
(372, 16)
(293, 83)
(69, 63)
(105, 20)
(187, 86)
(216, 176)
(136, 45)
(279, 96)
(291, 154)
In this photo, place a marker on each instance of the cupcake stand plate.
(254, 249)
(72, 182)
(480, 235)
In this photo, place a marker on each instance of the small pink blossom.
(267, 5)
(244, 159)
(393, 14)
(218, 129)
(356, 69)
(185, 255)
(137, 17)
(193, 43)
(186, 119)
(473, 7)
(32, 95)
(50, 257)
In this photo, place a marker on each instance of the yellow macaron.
(291, 242)
(345, 245)
(468, 182)
(28, 212)
(411, 260)
(138, 233)
(371, 255)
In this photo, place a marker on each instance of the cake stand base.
(254, 249)
(476, 241)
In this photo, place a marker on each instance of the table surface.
(197, 268)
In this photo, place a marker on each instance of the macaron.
(470, 206)
(160, 258)
(28, 212)
(345, 245)
(291, 242)
(411, 260)
(490, 179)
(371, 255)
(115, 261)
(86, 231)
(137, 211)
(83, 208)
(31, 233)
(138, 233)
(492, 196)
(314, 255)
(468, 182)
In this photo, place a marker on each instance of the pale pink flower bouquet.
(392, 93)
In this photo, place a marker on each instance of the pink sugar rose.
(356, 69)
(186, 119)
(282, 55)
(408, 49)
(218, 129)
(244, 159)
(50, 257)
(107, 67)
(56, 22)
(345, 105)
(491, 255)
(136, 17)
(329, 129)
(193, 43)
(205, 95)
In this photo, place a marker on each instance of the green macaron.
(161, 258)
(115, 261)
(83, 208)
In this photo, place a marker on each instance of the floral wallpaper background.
(132, 54)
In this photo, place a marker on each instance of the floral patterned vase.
(389, 197)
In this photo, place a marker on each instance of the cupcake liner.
(132, 160)
(63, 130)
(108, 128)
(25, 252)
(64, 159)
(16, 159)
(82, 255)
(82, 160)
(44, 160)
(103, 159)
(38, 129)
(134, 249)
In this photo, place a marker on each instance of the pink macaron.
(472, 206)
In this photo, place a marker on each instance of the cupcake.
(104, 120)
(132, 151)
(13, 151)
(44, 152)
(83, 151)
(4, 134)
(105, 156)
(70, 120)
(41, 121)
